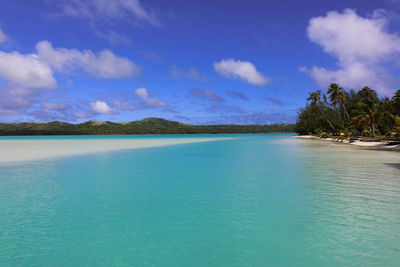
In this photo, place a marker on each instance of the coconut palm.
(396, 102)
(368, 109)
(315, 98)
(355, 113)
(337, 96)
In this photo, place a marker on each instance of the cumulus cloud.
(115, 9)
(244, 70)
(104, 64)
(351, 37)
(191, 73)
(354, 75)
(25, 76)
(26, 71)
(102, 107)
(154, 102)
(205, 94)
(361, 46)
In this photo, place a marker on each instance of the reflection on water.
(355, 198)
(258, 200)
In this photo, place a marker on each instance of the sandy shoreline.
(29, 150)
(379, 145)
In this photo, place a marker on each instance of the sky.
(197, 61)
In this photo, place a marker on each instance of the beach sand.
(379, 145)
(29, 150)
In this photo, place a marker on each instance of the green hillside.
(145, 126)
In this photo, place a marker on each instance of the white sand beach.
(29, 150)
(379, 145)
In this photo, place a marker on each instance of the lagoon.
(232, 200)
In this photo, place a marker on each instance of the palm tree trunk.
(326, 117)
(372, 127)
(340, 115)
(346, 114)
(338, 111)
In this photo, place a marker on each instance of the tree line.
(336, 112)
(145, 126)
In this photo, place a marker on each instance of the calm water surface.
(256, 200)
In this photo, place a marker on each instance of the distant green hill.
(145, 126)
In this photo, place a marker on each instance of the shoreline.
(15, 151)
(138, 135)
(381, 145)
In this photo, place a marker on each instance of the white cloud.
(355, 75)
(105, 64)
(116, 9)
(26, 71)
(15, 100)
(3, 36)
(351, 37)
(25, 76)
(360, 44)
(143, 95)
(244, 70)
(102, 107)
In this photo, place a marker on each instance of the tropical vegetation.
(145, 126)
(350, 114)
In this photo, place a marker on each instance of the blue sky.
(201, 62)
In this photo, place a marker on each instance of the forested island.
(145, 126)
(350, 114)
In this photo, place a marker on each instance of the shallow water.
(14, 150)
(256, 200)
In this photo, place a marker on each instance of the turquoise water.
(256, 200)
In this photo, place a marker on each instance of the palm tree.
(396, 102)
(368, 108)
(315, 98)
(387, 116)
(396, 96)
(337, 96)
